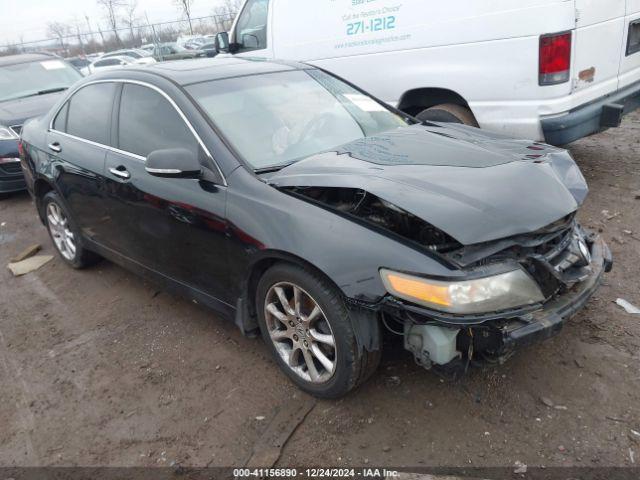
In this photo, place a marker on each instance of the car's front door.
(78, 143)
(173, 226)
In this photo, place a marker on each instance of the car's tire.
(65, 235)
(4, 196)
(450, 113)
(351, 364)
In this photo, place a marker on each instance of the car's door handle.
(120, 172)
(55, 147)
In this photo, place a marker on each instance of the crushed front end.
(567, 264)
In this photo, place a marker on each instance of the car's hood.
(473, 185)
(15, 112)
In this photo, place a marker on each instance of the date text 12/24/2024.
(380, 473)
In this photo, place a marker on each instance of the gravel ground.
(98, 367)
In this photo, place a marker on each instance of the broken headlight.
(499, 292)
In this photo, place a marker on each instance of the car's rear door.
(600, 28)
(78, 143)
(630, 56)
(172, 226)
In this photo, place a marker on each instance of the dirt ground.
(98, 367)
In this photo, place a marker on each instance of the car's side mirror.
(222, 43)
(173, 163)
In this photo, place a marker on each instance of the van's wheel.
(448, 112)
(306, 326)
(65, 235)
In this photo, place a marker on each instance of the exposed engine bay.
(381, 214)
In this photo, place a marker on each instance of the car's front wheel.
(66, 237)
(306, 325)
(448, 113)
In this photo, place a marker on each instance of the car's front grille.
(17, 129)
(12, 168)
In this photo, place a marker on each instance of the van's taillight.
(555, 58)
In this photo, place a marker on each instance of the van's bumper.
(596, 116)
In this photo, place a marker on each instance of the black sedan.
(300, 207)
(29, 86)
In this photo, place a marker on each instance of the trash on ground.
(547, 401)
(520, 467)
(29, 265)
(26, 253)
(630, 308)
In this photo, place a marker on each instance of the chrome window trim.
(100, 145)
(129, 154)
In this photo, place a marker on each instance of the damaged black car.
(309, 212)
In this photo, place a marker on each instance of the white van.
(553, 70)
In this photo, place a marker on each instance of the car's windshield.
(276, 119)
(34, 78)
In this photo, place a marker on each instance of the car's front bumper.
(549, 320)
(603, 113)
(502, 332)
(11, 175)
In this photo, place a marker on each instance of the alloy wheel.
(63, 237)
(300, 332)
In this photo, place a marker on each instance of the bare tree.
(131, 17)
(226, 12)
(185, 7)
(111, 8)
(58, 30)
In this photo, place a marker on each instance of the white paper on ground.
(630, 308)
(29, 265)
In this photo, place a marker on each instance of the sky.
(29, 18)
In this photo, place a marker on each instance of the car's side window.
(108, 63)
(60, 122)
(251, 30)
(149, 122)
(89, 115)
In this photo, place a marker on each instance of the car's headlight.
(499, 292)
(7, 134)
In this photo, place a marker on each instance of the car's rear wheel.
(449, 113)
(65, 236)
(307, 327)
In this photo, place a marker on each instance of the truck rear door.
(600, 29)
(630, 56)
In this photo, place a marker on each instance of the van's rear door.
(630, 57)
(600, 29)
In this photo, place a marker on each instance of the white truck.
(552, 70)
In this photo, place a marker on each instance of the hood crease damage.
(501, 190)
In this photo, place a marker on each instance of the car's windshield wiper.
(40, 92)
(52, 90)
(273, 168)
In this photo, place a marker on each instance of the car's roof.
(26, 58)
(186, 72)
